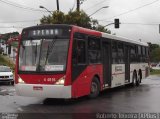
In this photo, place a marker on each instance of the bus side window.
(120, 53)
(139, 55)
(94, 53)
(114, 53)
(133, 53)
(147, 55)
(79, 53)
(143, 54)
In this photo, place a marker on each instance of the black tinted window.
(94, 54)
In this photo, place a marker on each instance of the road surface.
(128, 99)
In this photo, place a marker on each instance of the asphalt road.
(128, 99)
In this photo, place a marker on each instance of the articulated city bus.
(67, 61)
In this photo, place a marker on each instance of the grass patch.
(154, 72)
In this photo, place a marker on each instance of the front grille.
(4, 76)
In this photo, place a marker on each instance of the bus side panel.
(69, 61)
(82, 84)
(136, 67)
(118, 75)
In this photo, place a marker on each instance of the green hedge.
(154, 72)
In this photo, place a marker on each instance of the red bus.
(67, 61)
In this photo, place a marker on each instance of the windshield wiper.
(35, 53)
(49, 49)
(38, 68)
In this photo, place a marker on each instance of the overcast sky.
(139, 18)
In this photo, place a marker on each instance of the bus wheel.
(140, 77)
(134, 79)
(95, 88)
(138, 80)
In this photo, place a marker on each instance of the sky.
(139, 19)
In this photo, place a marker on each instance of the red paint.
(81, 86)
(40, 78)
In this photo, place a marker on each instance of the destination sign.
(47, 32)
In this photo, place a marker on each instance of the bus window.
(120, 53)
(133, 53)
(143, 54)
(79, 53)
(94, 54)
(139, 57)
(114, 53)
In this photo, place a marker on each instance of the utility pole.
(57, 5)
(78, 5)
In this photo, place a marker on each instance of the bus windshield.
(43, 55)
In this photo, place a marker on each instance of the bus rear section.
(43, 66)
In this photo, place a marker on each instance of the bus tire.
(138, 80)
(95, 88)
(134, 79)
(140, 76)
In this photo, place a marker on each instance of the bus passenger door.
(127, 64)
(106, 54)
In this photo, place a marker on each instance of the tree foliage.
(6, 36)
(79, 18)
(155, 52)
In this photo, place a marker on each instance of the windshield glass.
(5, 69)
(42, 55)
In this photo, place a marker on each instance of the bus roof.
(106, 35)
(123, 39)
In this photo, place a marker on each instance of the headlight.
(20, 80)
(61, 81)
(11, 75)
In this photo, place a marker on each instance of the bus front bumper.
(46, 91)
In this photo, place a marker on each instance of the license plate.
(37, 88)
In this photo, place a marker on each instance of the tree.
(57, 18)
(155, 55)
(79, 18)
(6, 36)
(153, 46)
(155, 52)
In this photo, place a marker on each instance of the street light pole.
(78, 5)
(46, 9)
(57, 5)
(98, 10)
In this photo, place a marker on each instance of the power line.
(20, 6)
(11, 27)
(131, 10)
(20, 21)
(152, 24)
(95, 5)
